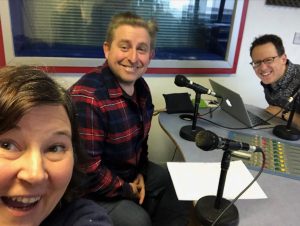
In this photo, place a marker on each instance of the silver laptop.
(233, 104)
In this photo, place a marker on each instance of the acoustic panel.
(289, 3)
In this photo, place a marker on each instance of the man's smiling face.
(269, 72)
(129, 54)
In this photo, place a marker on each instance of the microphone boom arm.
(208, 208)
(291, 116)
(224, 168)
(288, 132)
(196, 109)
(189, 132)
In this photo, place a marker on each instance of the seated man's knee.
(129, 213)
(161, 173)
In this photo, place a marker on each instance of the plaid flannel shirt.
(114, 131)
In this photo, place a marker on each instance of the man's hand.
(274, 110)
(138, 188)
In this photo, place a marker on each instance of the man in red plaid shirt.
(115, 109)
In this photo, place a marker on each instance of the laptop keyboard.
(256, 120)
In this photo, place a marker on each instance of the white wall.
(261, 19)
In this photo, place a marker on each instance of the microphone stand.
(189, 132)
(288, 132)
(208, 208)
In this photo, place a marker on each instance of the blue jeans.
(160, 208)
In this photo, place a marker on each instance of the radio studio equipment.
(208, 208)
(189, 132)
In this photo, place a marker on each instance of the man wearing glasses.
(279, 77)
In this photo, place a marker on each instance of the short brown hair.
(131, 19)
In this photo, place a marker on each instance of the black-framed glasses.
(269, 60)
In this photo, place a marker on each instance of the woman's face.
(36, 164)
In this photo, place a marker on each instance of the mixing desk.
(282, 159)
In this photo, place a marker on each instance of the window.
(193, 34)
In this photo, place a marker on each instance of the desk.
(283, 202)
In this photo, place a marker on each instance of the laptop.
(233, 104)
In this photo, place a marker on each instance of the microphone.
(208, 141)
(182, 81)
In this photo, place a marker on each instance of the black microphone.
(208, 141)
(182, 81)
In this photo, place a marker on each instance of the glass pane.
(188, 29)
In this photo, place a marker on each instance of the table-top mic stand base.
(207, 213)
(286, 133)
(188, 133)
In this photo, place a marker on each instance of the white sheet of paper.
(193, 180)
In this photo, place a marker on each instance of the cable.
(240, 128)
(243, 191)
(157, 111)
(214, 109)
(175, 150)
(237, 128)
